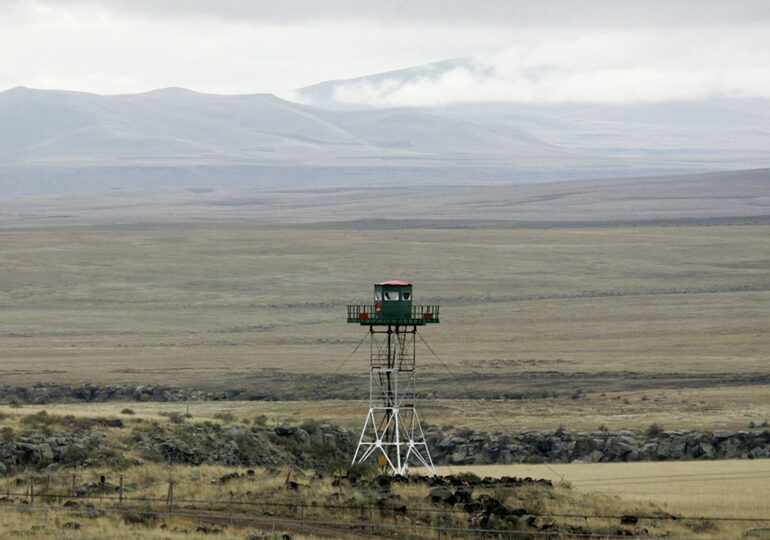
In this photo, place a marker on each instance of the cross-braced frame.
(392, 430)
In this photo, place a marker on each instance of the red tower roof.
(394, 282)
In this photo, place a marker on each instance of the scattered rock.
(138, 519)
(758, 532)
(227, 477)
(208, 529)
(273, 535)
(441, 494)
(463, 494)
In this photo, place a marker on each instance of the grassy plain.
(728, 408)
(732, 494)
(694, 489)
(643, 321)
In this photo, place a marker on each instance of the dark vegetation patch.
(42, 418)
(484, 224)
(52, 441)
(280, 386)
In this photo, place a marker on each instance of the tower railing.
(368, 314)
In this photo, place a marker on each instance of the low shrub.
(225, 416)
(42, 418)
(653, 430)
(174, 417)
(310, 425)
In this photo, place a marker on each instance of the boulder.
(301, 437)
(284, 430)
(46, 453)
(621, 448)
(463, 494)
(441, 494)
(28, 453)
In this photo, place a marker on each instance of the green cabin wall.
(393, 309)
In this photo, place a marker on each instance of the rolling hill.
(61, 142)
(68, 142)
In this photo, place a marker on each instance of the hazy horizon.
(584, 51)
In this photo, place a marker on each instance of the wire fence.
(340, 528)
(117, 496)
(232, 510)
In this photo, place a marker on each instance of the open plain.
(650, 310)
(573, 327)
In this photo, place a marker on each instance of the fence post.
(371, 523)
(31, 491)
(231, 509)
(120, 492)
(73, 492)
(7, 487)
(171, 497)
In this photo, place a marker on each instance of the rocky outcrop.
(51, 450)
(192, 444)
(466, 447)
(323, 446)
(43, 393)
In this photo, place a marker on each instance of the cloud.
(519, 13)
(642, 65)
(91, 48)
(527, 51)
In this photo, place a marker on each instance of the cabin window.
(391, 295)
(406, 295)
(378, 295)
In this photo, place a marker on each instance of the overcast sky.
(526, 51)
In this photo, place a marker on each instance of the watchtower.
(392, 430)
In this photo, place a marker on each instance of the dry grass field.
(715, 489)
(677, 316)
(730, 408)
(731, 494)
(724, 488)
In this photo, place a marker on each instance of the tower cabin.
(392, 306)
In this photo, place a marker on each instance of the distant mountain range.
(59, 142)
(707, 129)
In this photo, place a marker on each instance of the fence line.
(362, 525)
(230, 501)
